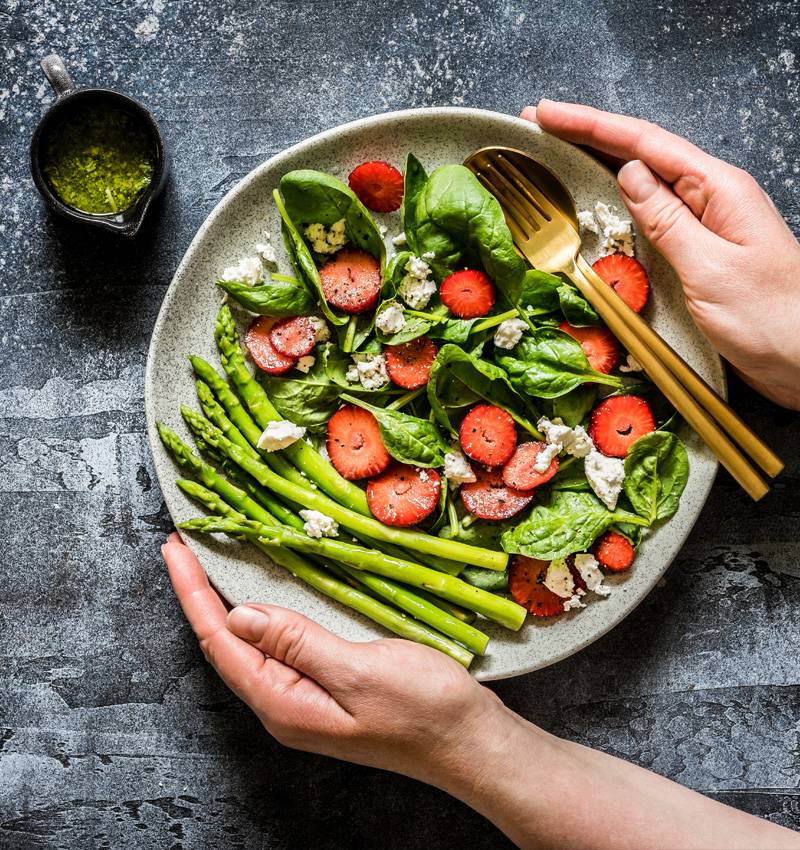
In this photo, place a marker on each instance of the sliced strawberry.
(599, 345)
(354, 443)
(293, 337)
(488, 435)
(409, 364)
(627, 277)
(468, 294)
(351, 280)
(526, 584)
(618, 421)
(613, 551)
(404, 495)
(488, 497)
(264, 354)
(378, 185)
(519, 472)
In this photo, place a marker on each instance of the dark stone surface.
(113, 731)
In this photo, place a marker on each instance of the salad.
(431, 426)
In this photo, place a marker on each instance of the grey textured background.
(113, 731)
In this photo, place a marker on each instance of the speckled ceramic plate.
(185, 326)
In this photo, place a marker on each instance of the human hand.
(391, 704)
(736, 258)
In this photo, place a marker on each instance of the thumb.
(661, 216)
(294, 640)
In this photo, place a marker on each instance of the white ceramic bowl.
(185, 326)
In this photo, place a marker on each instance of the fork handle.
(758, 450)
(604, 302)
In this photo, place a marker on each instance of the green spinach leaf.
(576, 309)
(656, 472)
(452, 330)
(307, 400)
(273, 298)
(414, 181)
(540, 292)
(573, 407)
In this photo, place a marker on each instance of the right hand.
(737, 260)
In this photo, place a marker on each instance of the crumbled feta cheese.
(416, 287)
(391, 320)
(279, 434)
(509, 333)
(418, 268)
(369, 370)
(265, 249)
(605, 476)
(429, 255)
(399, 240)
(249, 271)
(423, 475)
(456, 468)
(323, 451)
(545, 457)
(326, 240)
(305, 363)
(574, 441)
(617, 232)
(589, 569)
(322, 333)
(587, 221)
(631, 364)
(559, 579)
(573, 602)
(319, 525)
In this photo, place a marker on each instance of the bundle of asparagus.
(403, 579)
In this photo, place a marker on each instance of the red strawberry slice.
(264, 354)
(488, 435)
(599, 345)
(526, 584)
(293, 337)
(627, 277)
(404, 495)
(618, 421)
(378, 185)
(489, 498)
(613, 551)
(468, 294)
(351, 281)
(354, 443)
(519, 472)
(409, 364)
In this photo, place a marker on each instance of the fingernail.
(637, 181)
(248, 623)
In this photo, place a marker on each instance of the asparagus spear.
(405, 599)
(496, 608)
(369, 527)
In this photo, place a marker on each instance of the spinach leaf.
(406, 438)
(549, 363)
(414, 181)
(484, 534)
(492, 580)
(452, 330)
(307, 400)
(364, 322)
(576, 309)
(540, 292)
(480, 376)
(393, 273)
(572, 407)
(570, 476)
(457, 219)
(569, 522)
(273, 298)
(656, 472)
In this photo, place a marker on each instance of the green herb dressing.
(99, 159)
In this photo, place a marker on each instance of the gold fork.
(540, 215)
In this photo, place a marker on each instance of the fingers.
(295, 641)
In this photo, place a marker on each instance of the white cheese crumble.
(509, 333)
(423, 475)
(456, 468)
(617, 233)
(605, 476)
(631, 364)
(416, 287)
(589, 569)
(369, 370)
(249, 270)
(382, 229)
(326, 240)
(587, 222)
(545, 457)
(323, 452)
(305, 363)
(574, 441)
(573, 602)
(391, 320)
(399, 240)
(322, 333)
(279, 434)
(265, 249)
(429, 255)
(559, 579)
(318, 524)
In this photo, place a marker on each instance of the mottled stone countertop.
(113, 730)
